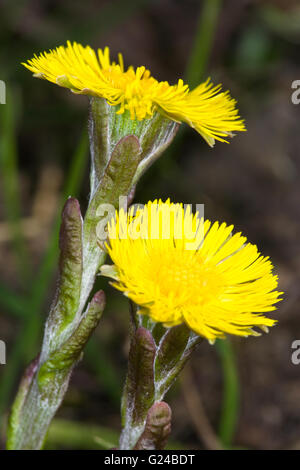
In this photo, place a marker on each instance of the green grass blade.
(104, 370)
(203, 42)
(73, 435)
(231, 392)
(72, 185)
(10, 181)
(196, 68)
(195, 71)
(12, 303)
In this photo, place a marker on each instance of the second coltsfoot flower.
(179, 268)
(207, 109)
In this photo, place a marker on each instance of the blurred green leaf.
(254, 50)
(285, 23)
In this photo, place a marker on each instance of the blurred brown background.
(248, 395)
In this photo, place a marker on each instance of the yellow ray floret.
(181, 269)
(206, 108)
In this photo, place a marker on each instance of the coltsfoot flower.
(179, 268)
(83, 70)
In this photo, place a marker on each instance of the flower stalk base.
(121, 150)
(156, 357)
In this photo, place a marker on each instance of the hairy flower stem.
(121, 150)
(67, 330)
(157, 356)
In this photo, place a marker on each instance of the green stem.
(231, 392)
(203, 42)
(196, 68)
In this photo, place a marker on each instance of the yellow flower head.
(179, 268)
(206, 108)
